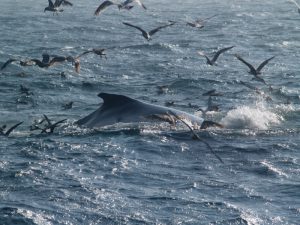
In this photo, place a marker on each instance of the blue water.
(151, 174)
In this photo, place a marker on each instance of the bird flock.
(45, 125)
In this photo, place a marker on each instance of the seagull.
(97, 51)
(195, 135)
(217, 54)
(49, 128)
(104, 5)
(298, 6)
(254, 71)
(148, 35)
(6, 133)
(60, 59)
(68, 105)
(199, 23)
(54, 7)
(25, 90)
(127, 2)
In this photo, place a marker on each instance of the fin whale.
(122, 109)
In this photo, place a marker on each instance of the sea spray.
(250, 117)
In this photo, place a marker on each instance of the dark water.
(151, 174)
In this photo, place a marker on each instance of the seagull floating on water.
(148, 35)
(217, 54)
(254, 71)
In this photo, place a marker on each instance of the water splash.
(251, 117)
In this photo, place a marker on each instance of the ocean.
(151, 173)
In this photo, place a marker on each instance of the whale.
(122, 109)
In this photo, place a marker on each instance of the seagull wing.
(7, 63)
(84, 53)
(57, 59)
(136, 27)
(66, 3)
(218, 53)
(52, 127)
(259, 68)
(207, 59)
(252, 69)
(57, 3)
(12, 128)
(51, 5)
(103, 6)
(159, 28)
(48, 120)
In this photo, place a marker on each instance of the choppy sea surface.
(151, 174)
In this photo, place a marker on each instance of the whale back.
(120, 108)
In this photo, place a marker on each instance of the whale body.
(122, 109)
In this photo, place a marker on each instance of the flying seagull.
(148, 35)
(6, 133)
(104, 5)
(49, 128)
(54, 7)
(127, 2)
(97, 51)
(217, 54)
(254, 71)
(195, 135)
(66, 3)
(199, 23)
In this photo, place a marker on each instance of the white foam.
(250, 117)
(36, 217)
(273, 168)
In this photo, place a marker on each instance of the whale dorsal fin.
(115, 100)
